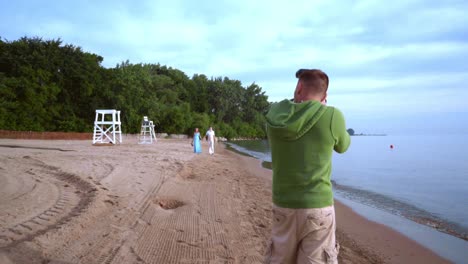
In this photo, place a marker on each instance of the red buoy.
(391, 146)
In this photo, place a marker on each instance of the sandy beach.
(67, 201)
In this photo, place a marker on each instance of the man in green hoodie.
(303, 134)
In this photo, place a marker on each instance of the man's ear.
(324, 98)
(298, 91)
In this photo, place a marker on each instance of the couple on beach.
(196, 141)
(302, 133)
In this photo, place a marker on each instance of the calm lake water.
(423, 178)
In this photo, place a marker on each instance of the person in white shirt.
(210, 136)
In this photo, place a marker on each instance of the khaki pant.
(303, 236)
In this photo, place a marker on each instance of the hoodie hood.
(290, 121)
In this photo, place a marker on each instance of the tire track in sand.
(216, 224)
(118, 245)
(74, 197)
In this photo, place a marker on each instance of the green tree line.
(46, 85)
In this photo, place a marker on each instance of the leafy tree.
(48, 86)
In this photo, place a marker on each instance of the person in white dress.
(210, 136)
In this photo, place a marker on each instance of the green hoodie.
(302, 138)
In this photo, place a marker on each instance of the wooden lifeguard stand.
(107, 127)
(147, 134)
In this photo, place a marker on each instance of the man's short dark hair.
(314, 78)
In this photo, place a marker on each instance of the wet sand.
(66, 201)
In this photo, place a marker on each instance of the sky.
(395, 67)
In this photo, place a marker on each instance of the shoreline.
(416, 215)
(373, 239)
(401, 209)
(377, 200)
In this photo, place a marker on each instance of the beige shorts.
(303, 236)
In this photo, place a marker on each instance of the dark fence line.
(45, 135)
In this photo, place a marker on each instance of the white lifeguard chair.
(107, 127)
(147, 134)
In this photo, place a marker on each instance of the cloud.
(377, 54)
